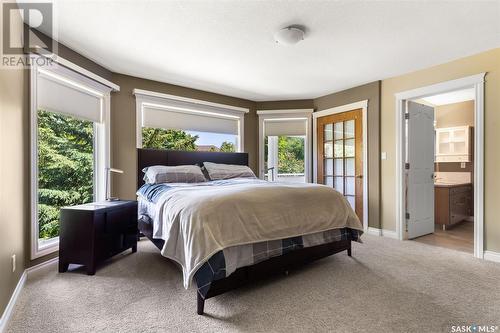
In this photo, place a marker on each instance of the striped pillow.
(218, 171)
(173, 174)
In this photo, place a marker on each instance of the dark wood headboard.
(149, 157)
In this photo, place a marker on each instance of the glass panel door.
(341, 166)
(340, 155)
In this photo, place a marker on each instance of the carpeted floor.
(387, 286)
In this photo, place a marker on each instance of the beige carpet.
(387, 286)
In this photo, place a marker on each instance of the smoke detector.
(289, 35)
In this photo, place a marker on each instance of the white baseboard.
(13, 299)
(389, 234)
(382, 232)
(491, 256)
(43, 264)
(374, 231)
(10, 306)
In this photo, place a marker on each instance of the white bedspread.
(198, 220)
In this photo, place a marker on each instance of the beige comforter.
(198, 220)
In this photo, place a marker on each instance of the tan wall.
(123, 123)
(14, 164)
(484, 62)
(456, 114)
(370, 92)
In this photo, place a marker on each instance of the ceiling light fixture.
(289, 35)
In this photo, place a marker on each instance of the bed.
(226, 233)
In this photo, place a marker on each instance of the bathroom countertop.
(449, 185)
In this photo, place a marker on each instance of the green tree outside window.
(65, 167)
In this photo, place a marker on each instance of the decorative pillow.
(173, 174)
(218, 171)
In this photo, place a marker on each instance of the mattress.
(208, 230)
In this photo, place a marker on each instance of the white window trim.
(473, 81)
(40, 248)
(286, 114)
(340, 109)
(187, 105)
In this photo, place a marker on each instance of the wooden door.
(340, 155)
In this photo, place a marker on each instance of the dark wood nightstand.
(92, 233)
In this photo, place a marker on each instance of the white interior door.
(420, 170)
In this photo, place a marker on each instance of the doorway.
(340, 152)
(439, 165)
(340, 158)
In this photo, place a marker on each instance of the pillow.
(218, 171)
(173, 174)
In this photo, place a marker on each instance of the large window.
(176, 123)
(69, 148)
(65, 167)
(175, 139)
(284, 145)
(285, 158)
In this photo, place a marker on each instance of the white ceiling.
(451, 97)
(227, 46)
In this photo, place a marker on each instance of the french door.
(340, 155)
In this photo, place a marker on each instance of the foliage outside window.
(158, 138)
(65, 167)
(290, 154)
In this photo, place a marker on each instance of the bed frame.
(243, 275)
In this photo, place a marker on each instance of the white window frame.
(283, 115)
(40, 248)
(187, 105)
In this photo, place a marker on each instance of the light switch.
(383, 155)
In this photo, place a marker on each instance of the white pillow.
(173, 174)
(218, 171)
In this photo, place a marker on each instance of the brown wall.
(370, 92)
(484, 62)
(456, 114)
(452, 115)
(284, 105)
(123, 123)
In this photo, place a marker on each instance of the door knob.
(359, 176)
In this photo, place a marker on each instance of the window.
(175, 139)
(284, 140)
(66, 167)
(69, 148)
(176, 123)
(284, 158)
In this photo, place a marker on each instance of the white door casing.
(420, 170)
(474, 81)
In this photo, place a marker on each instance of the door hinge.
(407, 166)
(407, 116)
(407, 215)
